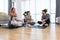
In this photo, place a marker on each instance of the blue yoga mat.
(38, 26)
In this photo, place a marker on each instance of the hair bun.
(25, 13)
(46, 10)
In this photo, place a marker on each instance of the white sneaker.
(41, 24)
(46, 24)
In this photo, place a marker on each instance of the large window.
(4, 6)
(35, 7)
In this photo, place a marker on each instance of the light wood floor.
(49, 33)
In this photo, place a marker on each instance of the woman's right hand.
(13, 14)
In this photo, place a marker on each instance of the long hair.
(13, 12)
(13, 9)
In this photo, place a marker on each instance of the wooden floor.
(49, 33)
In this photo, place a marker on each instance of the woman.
(45, 18)
(13, 13)
(28, 17)
(14, 19)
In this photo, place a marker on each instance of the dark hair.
(44, 11)
(12, 9)
(25, 13)
(28, 12)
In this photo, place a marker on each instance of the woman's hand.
(43, 21)
(13, 14)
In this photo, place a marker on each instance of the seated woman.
(17, 22)
(45, 18)
(27, 18)
(14, 19)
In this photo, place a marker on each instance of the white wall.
(4, 6)
(18, 8)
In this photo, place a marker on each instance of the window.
(4, 6)
(53, 10)
(53, 6)
(35, 7)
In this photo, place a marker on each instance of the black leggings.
(47, 22)
(39, 22)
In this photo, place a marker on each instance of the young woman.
(45, 18)
(28, 17)
(13, 13)
(14, 19)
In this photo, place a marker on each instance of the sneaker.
(46, 24)
(41, 24)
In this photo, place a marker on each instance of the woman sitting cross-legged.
(14, 19)
(45, 18)
(27, 18)
(17, 22)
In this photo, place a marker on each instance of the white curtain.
(35, 7)
(4, 6)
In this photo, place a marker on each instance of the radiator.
(58, 20)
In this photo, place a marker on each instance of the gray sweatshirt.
(46, 17)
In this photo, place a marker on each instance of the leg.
(25, 20)
(44, 23)
(39, 22)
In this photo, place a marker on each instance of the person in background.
(45, 18)
(27, 18)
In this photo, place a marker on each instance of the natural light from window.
(35, 7)
(4, 6)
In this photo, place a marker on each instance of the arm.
(13, 14)
(24, 17)
(44, 20)
(30, 17)
(48, 17)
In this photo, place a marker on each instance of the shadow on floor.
(35, 26)
(12, 27)
(39, 27)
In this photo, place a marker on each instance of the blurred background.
(34, 6)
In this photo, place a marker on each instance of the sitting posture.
(27, 18)
(45, 18)
(14, 19)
